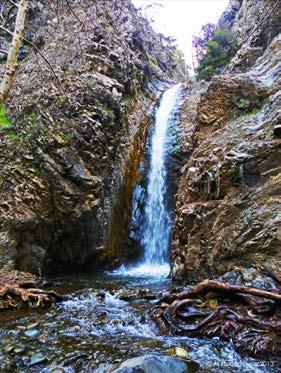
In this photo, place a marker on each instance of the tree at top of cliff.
(200, 42)
(214, 48)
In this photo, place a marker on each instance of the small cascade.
(157, 223)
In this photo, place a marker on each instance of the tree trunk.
(12, 57)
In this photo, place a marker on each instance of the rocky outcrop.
(79, 124)
(256, 24)
(228, 200)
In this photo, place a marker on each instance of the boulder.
(152, 364)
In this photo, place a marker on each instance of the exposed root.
(208, 286)
(247, 316)
(18, 290)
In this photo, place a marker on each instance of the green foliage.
(243, 104)
(4, 119)
(244, 109)
(109, 112)
(14, 137)
(218, 52)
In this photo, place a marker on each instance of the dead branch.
(72, 11)
(28, 42)
(13, 296)
(11, 63)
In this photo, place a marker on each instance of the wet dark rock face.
(228, 199)
(75, 146)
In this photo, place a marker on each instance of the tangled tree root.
(19, 290)
(247, 316)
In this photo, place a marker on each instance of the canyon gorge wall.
(79, 122)
(228, 208)
(79, 125)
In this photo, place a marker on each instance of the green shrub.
(14, 137)
(4, 119)
(214, 51)
(243, 111)
(243, 104)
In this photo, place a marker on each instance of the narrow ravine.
(140, 225)
(105, 318)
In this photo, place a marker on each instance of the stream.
(104, 321)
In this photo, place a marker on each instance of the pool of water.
(104, 320)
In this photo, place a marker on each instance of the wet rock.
(101, 294)
(31, 333)
(227, 201)
(32, 325)
(8, 348)
(152, 363)
(181, 353)
(132, 295)
(19, 349)
(37, 358)
(56, 370)
(249, 277)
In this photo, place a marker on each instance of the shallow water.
(104, 320)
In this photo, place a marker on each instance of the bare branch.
(13, 3)
(6, 30)
(11, 63)
(72, 11)
(28, 42)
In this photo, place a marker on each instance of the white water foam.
(143, 270)
(157, 219)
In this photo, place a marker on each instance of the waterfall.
(157, 222)
(157, 217)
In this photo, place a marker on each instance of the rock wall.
(256, 24)
(79, 122)
(228, 208)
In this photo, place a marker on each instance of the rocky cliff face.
(228, 200)
(78, 132)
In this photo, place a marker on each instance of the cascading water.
(157, 225)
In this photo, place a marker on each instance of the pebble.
(19, 349)
(31, 333)
(181, 352)
(32, 325)
(37, 358)
(8, 348)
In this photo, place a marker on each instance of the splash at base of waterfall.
(143, 269)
